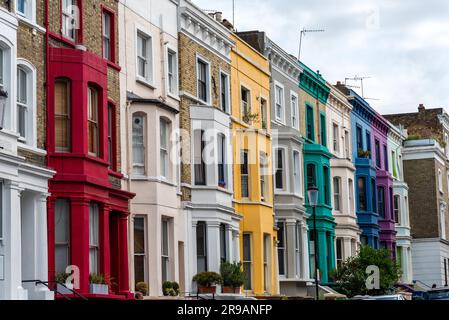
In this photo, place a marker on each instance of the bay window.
(266, 262)
(94, 244)
(281, 248)
(92, 118)
(326, 188)
(223, 240)
(165, 250)
(247, 261)
(397, 208)
(62, 115)
(280, 169)
(221, 144)
(138, 142)
(361, 186)
(164, 145)
(298, 249)
(111, 136)
(140, 232)
(201, 247)
(296, 172)
(62, 235)
(337, 193)
(311, 176)
(198, 160)
(381, 202)
(263, 168)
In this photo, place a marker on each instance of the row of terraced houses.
(149, 141)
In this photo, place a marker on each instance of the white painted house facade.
(23, 186)
(396, 138)
(347, 231)
(150, 140)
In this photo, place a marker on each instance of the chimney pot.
(421, 107)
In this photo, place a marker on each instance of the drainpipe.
(163, 53)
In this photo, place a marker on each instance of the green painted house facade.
(313, 97)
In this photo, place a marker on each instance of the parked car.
(437, 294)
(386, 297)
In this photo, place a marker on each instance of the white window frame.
(337, 195)
(295, 109)
(225, 108)
(94, 237)
(242, 103)
(296, 172)
(65, 244)
(250, 261)
(221, 158)
(284, 168)
(263, 169)
(165, 254)
(139, 168)
(245, 175)
(145, 249)
(30, 117)
(66, 16)
(298, 239)
(282, 251)
(107, 34)
(30, 11)
(208, 79)
(172, 77)
(279, 101)
(148, 77)
(335, 137)
(440, 181)
(398, 209)
(164, 151)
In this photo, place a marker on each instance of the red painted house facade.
(88, 210)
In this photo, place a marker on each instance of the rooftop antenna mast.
(361, 79)
(233, 13)
(302, 34)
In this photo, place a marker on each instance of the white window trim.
(299, 191)
(250, 101)
(228, 92)
(167, 149)
(30, 11)
(208, 79)
(336, 138)
(145, 251)
(134, 164)
(298, 117)
(175, 94)
(168, 255)
(30, 129)
(284, 169)
(281, 86)
(440, 181)
(74, 16)
(340, 196)
(149, 80)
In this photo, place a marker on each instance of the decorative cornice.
(314, 84)
(282, 61)
(338, 100)
(206, 31)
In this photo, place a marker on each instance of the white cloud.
(402, 45)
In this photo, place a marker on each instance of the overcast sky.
(402, 44)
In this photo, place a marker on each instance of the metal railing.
(55, 288)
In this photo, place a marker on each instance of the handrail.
(46, 283)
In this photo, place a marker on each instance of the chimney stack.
(219, 16)
(421, 108)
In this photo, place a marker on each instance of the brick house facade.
(88, 211)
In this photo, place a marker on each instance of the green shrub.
(207, 279)
(170, 288)
(61, 277)
(96, 278)
(142, 287)
(232, 274)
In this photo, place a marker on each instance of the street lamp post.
(312, 193)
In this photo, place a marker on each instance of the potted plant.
(170, 288)
(207, 281)
(249, 117)
(363, 153)
(62, 286)
(142, 287)
(98, 284)
(233, 277)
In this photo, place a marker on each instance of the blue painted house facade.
(366, 175)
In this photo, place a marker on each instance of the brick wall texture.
(188, 51)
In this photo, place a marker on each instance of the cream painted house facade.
(150, 156)
(347, 232)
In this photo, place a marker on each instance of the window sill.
(30, 23)
(145, 82)
(113, 65)
(174, 96)
(33, 149)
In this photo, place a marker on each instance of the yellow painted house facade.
(253, 183)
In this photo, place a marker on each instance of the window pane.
(139, 235)
(201, 249)
(1, 68)
(247, 263)
(62, 115)
(138, 144)
(279, 169)
(62, 238)
(93, 238)
(93, 120)
(362, 194)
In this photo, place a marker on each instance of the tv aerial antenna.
(361, 79)
(302, 34)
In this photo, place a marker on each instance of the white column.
(42, 247)
(229, 243)
(13, 257)
(305, 270)
(346, 248)
(191, 254)
(236, 244)
(213, 246)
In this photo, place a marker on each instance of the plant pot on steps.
(231, 290)
(98, 288)
(207, 290)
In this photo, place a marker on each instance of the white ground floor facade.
(23, 226)
(430, 261)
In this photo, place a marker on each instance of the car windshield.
(438, 294)
(387, 298)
